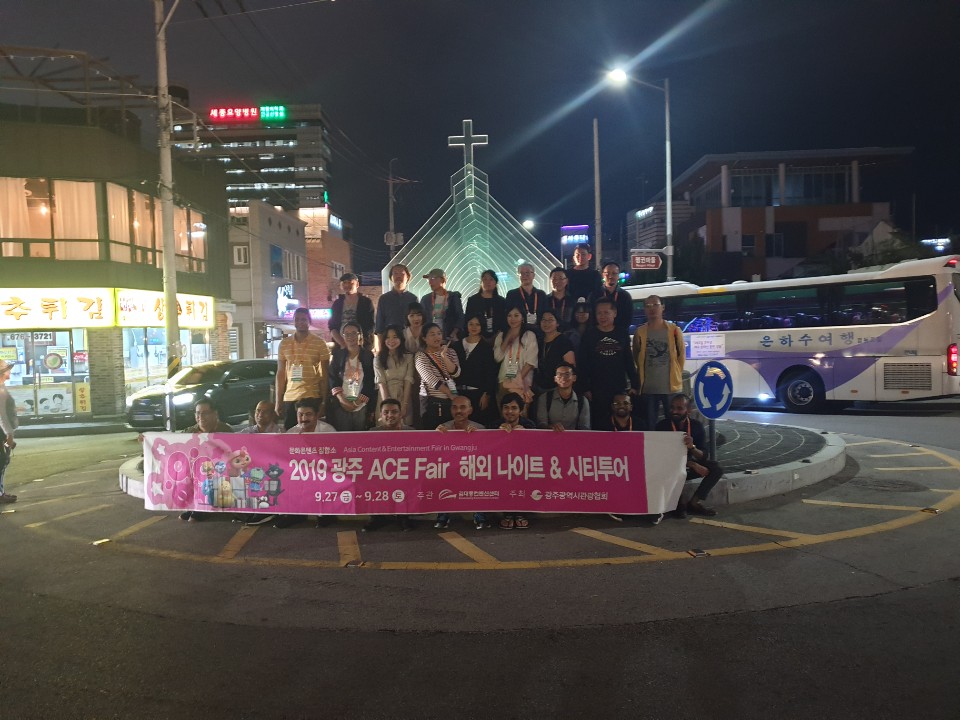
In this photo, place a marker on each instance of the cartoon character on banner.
(273, 484)
(185, 465)
(238, 463)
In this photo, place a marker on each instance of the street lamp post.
(619, 77)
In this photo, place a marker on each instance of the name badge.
(511, 369)
(296, 373)
(531, 318)
(489, 324)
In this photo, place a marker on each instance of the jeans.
(5, 453)
(649, 409)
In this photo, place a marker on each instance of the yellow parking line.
(69, 515)
(940, 490)
(872, 442)
(623, 542)
(750, 528)
(865, 506)
(915, 468)
(349, 548)
(138, 527)
(468, 548)
(236, 543)
(909, 454)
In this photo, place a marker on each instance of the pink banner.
(412, 472)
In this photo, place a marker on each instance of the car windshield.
(199, 374)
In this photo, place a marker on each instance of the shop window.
(118, 223)
(25, 209)
(75, 219)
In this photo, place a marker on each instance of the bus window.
(705, 313)
(886, 302)
(785, 308)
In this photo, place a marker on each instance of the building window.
(241, 254)
(748, 245)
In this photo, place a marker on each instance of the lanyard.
(526, 303)
(616, 292)
(443, 373)
(676, 429)
(617, 428)
(563, 305)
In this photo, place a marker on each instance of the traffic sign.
(645, 261)
(713, 390)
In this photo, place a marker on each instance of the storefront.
(60, 340)
(140, 317)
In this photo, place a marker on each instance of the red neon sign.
(234, 114)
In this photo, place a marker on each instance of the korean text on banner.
(415, 472)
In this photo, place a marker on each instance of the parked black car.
(235, 386)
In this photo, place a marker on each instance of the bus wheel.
(802, 392)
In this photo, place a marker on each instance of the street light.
(618, 77)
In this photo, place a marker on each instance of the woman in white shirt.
(516, 351)
(394, 372)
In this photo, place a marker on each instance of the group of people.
(561, 360)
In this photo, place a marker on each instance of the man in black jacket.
(698, 464)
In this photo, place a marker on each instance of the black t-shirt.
(695, 429)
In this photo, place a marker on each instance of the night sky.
(398, 76)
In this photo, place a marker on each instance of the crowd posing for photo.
(561, 360)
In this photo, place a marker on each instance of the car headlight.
(129, 402)
(184, 399)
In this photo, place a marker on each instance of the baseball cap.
(435, 273)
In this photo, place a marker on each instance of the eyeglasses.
(351, 334)
(564, 376)
(621, 402)
(653, 304)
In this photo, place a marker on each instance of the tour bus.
(880, 335)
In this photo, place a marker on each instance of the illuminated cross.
(467, 141)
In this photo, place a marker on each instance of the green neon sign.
(273, 113)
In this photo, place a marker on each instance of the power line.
(259, 10)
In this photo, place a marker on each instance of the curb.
(131, 477)
(780, 479)
(71, 429)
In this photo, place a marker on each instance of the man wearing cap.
(8, 426)
(303, 360)
(351, 306)
(393, 305)
(442, 306)
(584, 278)
(528, 299)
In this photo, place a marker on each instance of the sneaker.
(656, 519)
(259, 519)
(482, 525)
(406, 524)
(618, 518)
(441, 525)
(696, 507)
(186, 515)
(681, 512)
(285, 521)
(8, 498)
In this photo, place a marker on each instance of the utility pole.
(164, 123)
(597, 225)
(171, 321)
(391, 238)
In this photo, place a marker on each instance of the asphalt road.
(838, 601)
